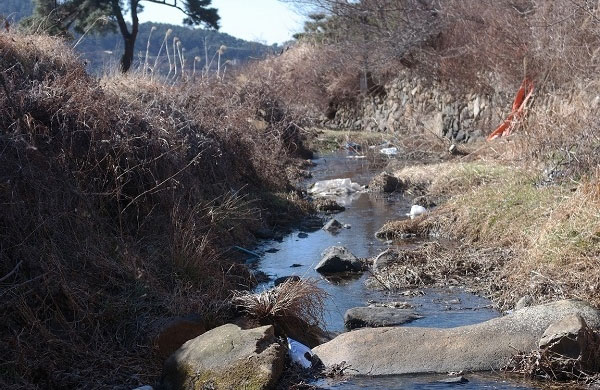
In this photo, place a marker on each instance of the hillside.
(102, 50)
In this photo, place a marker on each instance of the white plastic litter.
(300, 353)
(334, 187)
(416, 210)
(389, 151)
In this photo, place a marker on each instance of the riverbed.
(299, 252)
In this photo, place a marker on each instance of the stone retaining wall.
(412, 103)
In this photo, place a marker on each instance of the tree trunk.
(128, 53)
(128, 37)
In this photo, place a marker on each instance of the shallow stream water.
(299, 252)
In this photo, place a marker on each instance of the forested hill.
(100, 50)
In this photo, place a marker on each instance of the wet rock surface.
(333, 226)
(226, 357)
(337, 259)
(284, 279)
(375, 317)
(481, 347)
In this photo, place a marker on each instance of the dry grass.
(301, 299)
(443, 264)
(550, 366)
(550, 231)
(119, 200)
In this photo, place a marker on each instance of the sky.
(266, 21)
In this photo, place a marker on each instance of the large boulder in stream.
(337, 259)
(226, 357)
(480, 347)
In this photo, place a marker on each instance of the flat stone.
(226, 357)
(481, 347)
(454, 380)
(337, 259)
(375, 317)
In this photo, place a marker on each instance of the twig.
(11, 273)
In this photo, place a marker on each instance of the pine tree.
(62, 16)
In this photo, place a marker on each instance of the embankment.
(120, 200)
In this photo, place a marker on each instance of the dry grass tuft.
(301, 299)
(551, 366)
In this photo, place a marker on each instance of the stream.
(299, 252)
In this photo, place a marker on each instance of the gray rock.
(333, 226)
(454, 380)
(226, 357)
(525, 301)
(338, 259)
(572, 338)
(480, 347)
(376, 317)
(284, 279)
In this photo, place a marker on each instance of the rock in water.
(338, 259)
(226, 357)
(376, 317)
(454, 380)
(284, 279)
(333, 226)
(480, 347)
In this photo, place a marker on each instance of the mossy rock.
(226, 358)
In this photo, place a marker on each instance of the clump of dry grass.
(301, 299)
(551, 366)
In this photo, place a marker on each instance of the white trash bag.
(300, 353)
(389, 151)
(416, 210)
(334, 187)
